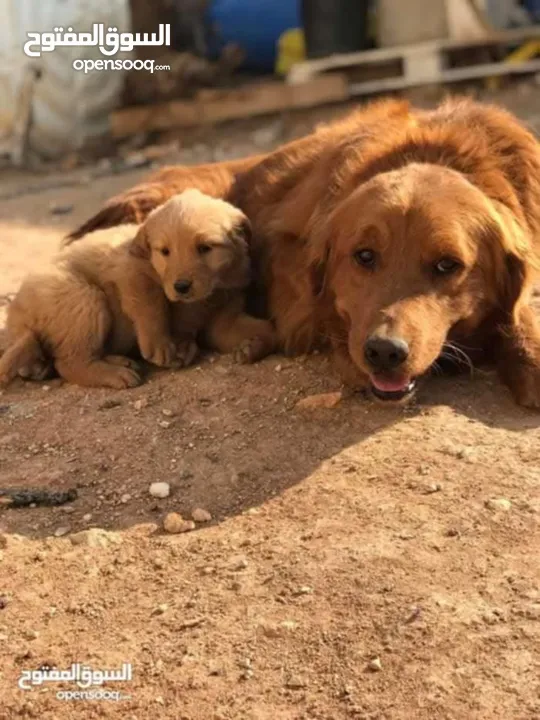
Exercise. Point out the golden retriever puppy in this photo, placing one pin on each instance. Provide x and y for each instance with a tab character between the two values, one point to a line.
117	291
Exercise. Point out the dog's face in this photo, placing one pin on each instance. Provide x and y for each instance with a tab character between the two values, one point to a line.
411	257
196	245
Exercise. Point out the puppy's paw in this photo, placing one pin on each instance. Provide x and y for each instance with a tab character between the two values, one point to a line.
120	378
123	361
38	371
186	352
163	353
526	387
251	350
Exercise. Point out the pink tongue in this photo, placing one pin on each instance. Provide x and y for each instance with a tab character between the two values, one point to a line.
390	385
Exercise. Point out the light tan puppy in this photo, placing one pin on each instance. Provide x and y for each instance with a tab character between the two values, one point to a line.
155	287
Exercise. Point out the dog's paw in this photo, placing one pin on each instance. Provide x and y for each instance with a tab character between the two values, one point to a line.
121	378
38	371
186	352
250	350
526	387
162	353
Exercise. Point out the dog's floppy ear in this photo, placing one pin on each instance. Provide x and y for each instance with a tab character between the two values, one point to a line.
241	234
516	264
140	247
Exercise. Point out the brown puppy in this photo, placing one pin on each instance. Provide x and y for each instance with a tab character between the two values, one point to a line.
395	232
112	293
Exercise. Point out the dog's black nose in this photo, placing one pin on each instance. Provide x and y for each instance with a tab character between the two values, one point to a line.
183	286
384	353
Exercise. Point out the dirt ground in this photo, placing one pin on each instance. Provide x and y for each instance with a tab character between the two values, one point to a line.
361	562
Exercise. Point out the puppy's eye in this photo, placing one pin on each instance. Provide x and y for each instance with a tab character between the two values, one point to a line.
165	251
203	248
447	266
365	257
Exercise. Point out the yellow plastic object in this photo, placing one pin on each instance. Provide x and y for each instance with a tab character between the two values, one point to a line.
291	50
523	53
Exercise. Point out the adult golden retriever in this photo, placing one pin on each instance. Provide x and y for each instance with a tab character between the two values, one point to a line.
154	287
395	235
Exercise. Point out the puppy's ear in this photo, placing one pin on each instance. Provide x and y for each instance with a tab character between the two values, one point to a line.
140	246
241	235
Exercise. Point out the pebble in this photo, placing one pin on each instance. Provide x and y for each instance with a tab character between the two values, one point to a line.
140	404
31	634
375	665
167	413
3	541
161	609
96	537
498	504
173	523
61	531
323	400
200	515
160	490
125	498
87	517
59	209
296	683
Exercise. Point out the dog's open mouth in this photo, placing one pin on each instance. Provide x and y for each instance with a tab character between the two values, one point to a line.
392	390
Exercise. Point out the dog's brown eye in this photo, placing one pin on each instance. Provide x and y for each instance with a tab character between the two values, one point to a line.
446	266
165	251
365	257
203	248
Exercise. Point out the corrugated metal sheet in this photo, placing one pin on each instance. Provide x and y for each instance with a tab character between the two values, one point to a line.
68	107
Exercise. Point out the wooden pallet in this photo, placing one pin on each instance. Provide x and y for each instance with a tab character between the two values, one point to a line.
422	64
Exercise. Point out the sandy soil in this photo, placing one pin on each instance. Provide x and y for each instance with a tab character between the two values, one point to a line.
361	562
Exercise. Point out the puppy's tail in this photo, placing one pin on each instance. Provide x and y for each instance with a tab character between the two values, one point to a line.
20	354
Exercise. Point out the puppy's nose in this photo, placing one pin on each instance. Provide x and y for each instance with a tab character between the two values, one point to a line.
384	353
183	286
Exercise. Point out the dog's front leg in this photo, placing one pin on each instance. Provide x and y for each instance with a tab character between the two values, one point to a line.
144	302
518	357
232	330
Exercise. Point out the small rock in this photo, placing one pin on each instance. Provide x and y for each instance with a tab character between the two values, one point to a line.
3	541
161	609
140	404
239	564
60	209
305	590
3	602
61	531
109	404
296	683
323	400
375	665
498	504
165	424
87	517
432	488
96	537
173	523
160	490
278	368
125	498
201	516
187	526
167	413
31	634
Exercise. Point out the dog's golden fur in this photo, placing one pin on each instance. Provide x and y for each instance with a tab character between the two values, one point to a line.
117	291
416	188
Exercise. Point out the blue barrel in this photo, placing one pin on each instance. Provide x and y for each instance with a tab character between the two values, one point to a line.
256	25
